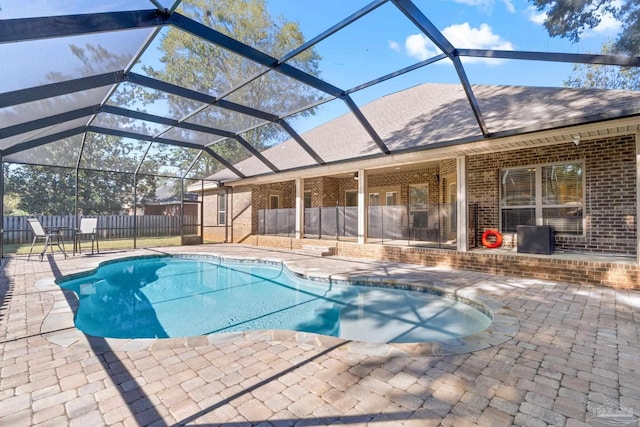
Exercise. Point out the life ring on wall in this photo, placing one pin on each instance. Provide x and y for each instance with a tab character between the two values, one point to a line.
487	244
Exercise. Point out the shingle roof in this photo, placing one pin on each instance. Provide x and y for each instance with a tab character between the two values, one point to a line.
434	113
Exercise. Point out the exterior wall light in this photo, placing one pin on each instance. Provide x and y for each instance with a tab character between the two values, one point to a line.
576	140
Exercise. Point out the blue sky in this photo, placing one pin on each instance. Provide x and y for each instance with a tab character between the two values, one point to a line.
386	40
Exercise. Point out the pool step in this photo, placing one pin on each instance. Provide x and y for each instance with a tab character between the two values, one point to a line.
318	250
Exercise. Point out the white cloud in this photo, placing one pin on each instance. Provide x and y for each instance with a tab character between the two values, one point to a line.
536	16
420	47
509	5
461	36
393	45
487	5
476	3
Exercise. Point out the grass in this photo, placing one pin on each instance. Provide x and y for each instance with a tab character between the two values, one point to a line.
105	245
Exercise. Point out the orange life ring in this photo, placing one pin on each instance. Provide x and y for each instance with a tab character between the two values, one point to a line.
494	233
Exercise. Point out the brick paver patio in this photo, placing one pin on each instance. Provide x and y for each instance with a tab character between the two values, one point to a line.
575	360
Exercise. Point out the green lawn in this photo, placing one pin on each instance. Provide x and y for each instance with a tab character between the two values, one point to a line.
105	245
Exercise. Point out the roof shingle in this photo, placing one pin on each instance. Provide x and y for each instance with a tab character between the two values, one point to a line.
436	113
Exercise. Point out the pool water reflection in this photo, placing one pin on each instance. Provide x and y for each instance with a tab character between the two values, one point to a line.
168	297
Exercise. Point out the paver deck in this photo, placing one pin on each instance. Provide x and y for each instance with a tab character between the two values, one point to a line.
573	360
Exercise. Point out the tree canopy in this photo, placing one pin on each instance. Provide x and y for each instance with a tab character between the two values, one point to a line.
107	162
50	190
570	19
595	76
208	68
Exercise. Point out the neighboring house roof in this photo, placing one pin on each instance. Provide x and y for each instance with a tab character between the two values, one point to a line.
429	114
166	195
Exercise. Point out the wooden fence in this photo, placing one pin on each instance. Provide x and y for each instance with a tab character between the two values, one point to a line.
16	229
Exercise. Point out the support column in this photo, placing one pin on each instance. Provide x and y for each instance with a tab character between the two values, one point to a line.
135	209
299	208
2	206
638	198
462	214
362	207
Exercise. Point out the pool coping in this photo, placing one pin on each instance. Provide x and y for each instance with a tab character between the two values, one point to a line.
58	325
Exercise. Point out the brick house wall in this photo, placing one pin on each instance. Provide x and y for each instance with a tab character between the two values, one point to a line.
330	193
245	222
170	209
324	191
286	190
405	178
344	185
259	196
610	190
314	186
212	231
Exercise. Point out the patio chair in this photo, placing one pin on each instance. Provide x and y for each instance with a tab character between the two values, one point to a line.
88	227
40	233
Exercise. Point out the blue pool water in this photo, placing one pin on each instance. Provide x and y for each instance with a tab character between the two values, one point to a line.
177	297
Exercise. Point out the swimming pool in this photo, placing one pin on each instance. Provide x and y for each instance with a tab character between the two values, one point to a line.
173	296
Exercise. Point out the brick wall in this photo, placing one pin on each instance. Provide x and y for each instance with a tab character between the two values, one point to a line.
406	177
314	186
210	208
286	190
610	190
212	231
245	223
330	192
344	185
214	235
324	191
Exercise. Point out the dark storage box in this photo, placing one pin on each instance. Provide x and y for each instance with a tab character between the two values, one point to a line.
535	239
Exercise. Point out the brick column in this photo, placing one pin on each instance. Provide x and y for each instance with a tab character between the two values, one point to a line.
638	198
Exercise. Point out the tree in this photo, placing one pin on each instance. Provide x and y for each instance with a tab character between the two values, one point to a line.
187	61
570	18
596	76
208	68
11	201
54	198
50	190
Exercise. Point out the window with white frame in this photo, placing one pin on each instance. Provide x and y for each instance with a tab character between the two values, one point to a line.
351	198
543	195
384	196
307	199
222	209
274	201
418	201
418	195
391	198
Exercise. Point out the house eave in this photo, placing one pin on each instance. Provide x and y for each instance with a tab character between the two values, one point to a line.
498	142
